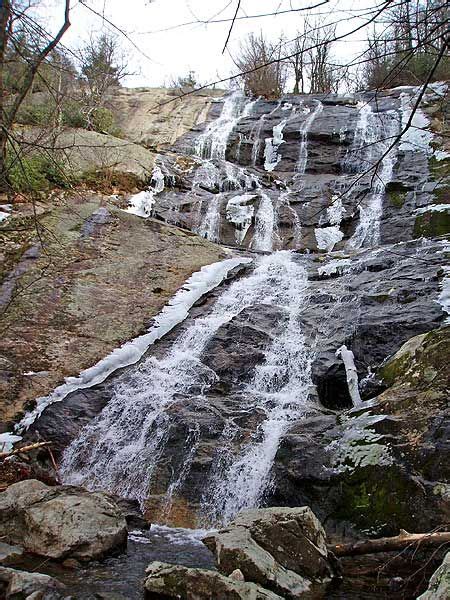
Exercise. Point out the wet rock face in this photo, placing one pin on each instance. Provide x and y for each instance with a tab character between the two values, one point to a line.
61	522
381	466
317	161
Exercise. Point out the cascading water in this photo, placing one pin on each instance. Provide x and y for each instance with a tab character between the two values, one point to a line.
373	137
265	224
213	142
280	388
256	137
210	225
304	129
119	450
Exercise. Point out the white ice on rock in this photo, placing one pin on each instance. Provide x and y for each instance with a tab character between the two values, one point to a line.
141	204
240	213
351	373
176	311
418	137
336	266
433	208
444	296
271	153
328	237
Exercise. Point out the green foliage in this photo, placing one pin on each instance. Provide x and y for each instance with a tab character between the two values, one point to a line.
73	115
103	120
35	114
36	172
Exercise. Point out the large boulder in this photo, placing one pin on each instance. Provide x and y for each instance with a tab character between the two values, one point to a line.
439	587
174	581
20	585
281	549
62	521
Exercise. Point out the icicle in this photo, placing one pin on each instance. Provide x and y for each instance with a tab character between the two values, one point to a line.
352	375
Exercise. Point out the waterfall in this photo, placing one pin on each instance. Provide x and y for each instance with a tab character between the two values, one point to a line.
255	135
209	227
304	129
119	449
373	136
280	387
265	224
213	142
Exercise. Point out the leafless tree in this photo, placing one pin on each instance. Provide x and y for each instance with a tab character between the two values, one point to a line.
15	19
267	81
103	66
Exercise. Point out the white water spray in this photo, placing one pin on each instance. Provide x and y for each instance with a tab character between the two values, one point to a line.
280	388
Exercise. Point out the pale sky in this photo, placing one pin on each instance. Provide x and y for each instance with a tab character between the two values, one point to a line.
166	50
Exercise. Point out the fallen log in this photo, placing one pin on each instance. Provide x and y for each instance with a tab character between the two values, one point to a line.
388	544
24	449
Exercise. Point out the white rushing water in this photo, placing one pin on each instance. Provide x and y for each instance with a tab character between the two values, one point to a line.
373	137
264	225
304	129
213	142
119	450
209	227
280	388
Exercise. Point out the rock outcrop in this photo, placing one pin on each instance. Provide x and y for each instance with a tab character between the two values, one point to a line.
100	279
439	586
281	549
164	581
61	522
15	584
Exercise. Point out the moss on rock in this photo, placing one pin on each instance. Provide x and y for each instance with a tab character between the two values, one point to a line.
432	224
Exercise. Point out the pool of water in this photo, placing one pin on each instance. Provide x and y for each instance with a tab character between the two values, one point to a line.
121	577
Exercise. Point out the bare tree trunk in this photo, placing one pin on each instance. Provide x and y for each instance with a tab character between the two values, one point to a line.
388	544
5	13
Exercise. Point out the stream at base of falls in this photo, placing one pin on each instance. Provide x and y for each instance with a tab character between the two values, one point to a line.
121	577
